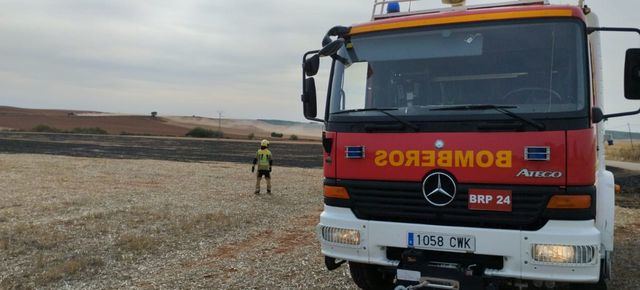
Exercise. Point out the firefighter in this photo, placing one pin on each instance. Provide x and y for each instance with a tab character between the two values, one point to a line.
264	161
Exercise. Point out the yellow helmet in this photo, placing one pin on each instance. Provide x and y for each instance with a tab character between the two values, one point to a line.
264	143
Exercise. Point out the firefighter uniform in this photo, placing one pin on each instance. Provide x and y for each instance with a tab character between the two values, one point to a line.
264	161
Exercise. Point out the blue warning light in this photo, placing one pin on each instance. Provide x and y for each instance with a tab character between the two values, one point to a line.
393	7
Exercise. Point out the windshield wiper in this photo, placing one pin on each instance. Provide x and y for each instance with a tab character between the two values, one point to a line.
384	111
364	110
501	109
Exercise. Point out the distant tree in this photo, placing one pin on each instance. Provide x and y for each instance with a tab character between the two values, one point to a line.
200	132
251	136
276	135
293	137
46	129
154	114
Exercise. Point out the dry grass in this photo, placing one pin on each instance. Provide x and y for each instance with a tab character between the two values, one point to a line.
136	243
54	271
206	223
622	151
627	254
98	223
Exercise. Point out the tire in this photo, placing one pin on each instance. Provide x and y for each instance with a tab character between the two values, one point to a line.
601	285
370	277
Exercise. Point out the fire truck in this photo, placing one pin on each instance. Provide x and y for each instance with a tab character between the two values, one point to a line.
463	146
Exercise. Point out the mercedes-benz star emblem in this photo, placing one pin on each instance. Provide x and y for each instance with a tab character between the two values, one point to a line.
439	188
439	144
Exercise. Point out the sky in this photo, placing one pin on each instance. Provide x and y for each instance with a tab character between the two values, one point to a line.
197	57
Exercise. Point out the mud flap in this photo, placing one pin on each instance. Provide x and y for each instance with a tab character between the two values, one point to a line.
416	268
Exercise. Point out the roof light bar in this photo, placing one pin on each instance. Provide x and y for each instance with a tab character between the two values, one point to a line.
454	2
394	8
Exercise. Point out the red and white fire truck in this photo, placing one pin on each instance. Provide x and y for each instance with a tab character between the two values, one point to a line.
463	146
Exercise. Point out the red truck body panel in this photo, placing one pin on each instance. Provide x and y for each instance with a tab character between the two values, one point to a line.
479	158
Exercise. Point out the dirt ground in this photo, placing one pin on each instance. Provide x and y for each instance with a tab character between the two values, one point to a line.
69	222
104	223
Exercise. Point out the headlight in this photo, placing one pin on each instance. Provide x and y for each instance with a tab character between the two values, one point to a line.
340	236
564	254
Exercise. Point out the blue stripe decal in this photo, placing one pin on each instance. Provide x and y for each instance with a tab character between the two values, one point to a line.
537	153
410	240
541	156
354	152
537	150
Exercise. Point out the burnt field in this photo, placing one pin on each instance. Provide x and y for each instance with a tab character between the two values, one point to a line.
305	155
629	182
289	154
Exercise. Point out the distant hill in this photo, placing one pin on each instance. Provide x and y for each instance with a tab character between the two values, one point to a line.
279	122
261	128
622	134
21	119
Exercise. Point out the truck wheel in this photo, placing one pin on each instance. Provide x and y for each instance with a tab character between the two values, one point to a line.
370	277
601	285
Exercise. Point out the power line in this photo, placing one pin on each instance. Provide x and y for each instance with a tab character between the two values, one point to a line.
220	122
630	139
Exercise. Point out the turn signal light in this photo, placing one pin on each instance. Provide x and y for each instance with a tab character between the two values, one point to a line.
569	202
336	192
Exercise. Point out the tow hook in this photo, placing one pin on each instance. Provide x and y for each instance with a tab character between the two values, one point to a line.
417	270
332	263
426	284
469	270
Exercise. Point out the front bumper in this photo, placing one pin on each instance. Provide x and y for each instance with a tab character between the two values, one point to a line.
513	245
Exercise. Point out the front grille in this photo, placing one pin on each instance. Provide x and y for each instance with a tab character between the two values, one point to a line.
405	202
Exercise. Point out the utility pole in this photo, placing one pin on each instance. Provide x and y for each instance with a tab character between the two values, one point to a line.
630	139
220	122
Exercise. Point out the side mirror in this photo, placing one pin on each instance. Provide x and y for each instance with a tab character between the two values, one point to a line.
632	74
631	78
331	48
596	115
309	104
311	65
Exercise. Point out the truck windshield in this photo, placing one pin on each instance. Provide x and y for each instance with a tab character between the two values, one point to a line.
534	67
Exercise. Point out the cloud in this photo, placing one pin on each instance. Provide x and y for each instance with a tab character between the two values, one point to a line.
186	57
177	57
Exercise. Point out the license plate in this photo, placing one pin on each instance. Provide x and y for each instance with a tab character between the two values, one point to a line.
490	199
440	241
